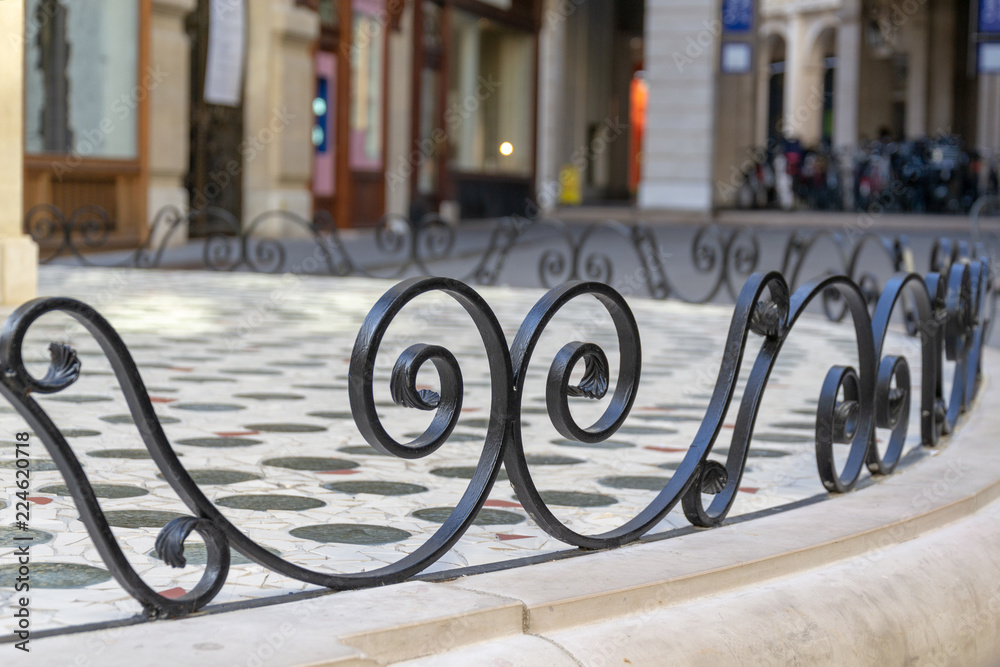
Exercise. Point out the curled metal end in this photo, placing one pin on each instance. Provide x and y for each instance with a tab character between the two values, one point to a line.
64	369
714	477
170	541
595	375
767	319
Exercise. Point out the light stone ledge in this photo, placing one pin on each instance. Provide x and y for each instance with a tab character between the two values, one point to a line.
904	570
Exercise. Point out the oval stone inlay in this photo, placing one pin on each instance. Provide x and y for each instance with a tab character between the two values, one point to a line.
200	379
786	438
219	442
312	463
250	371
350	533
464	472
55	575
576	499
454	437
331	414
127	419
34	465
486	517
635	482
9	533
551	460
196	554
756	453
141	518
79	433
268	501
375	488
79	398
646	430
208	407
285	428
271	397
100	490
219	476
606	444
362	450
120	454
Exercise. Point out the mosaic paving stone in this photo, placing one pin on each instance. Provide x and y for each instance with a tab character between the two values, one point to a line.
285	428
195	553
271	397
648	416
606	444
270	501
332	414
200	379
79	398
321	387
218	476
55	575
635	482
208	407
121	454
350	533
757	453
362	450
551	460
34	465
804	426
455	437
79	433
576	499
250	371
100	490
646	430
485	423
219	442
375	488
464	472
9	535
312	463
141	518
787	438
486	516
127	419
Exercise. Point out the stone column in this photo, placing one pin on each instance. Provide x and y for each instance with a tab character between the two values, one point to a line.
847	76
18	252
169	112
277	113
551	78
916	80
795	74
682	44
940	113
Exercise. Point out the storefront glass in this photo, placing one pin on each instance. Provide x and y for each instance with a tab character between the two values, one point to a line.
82	90
490	111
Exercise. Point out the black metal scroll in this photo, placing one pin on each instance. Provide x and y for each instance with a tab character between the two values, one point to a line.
948	311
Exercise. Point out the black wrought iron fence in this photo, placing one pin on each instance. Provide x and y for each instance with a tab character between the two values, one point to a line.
949	310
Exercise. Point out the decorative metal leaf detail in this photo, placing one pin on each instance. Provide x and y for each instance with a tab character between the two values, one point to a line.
713	477
766	319
429	397
170	541
64	369
595	378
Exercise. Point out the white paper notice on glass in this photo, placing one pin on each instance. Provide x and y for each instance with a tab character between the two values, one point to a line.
226	50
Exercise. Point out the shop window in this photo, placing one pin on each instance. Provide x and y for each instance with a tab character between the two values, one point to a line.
368	23
490	111
81	74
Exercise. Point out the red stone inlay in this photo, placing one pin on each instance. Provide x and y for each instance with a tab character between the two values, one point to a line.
672	450
503	537
500	503
173	593
40	500
161	399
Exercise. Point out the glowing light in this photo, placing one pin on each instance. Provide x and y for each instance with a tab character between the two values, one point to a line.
319	106
506	148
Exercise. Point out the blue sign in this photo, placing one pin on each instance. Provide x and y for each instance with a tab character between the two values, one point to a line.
737	15
989	16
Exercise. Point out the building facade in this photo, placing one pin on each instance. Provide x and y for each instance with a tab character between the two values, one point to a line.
359	109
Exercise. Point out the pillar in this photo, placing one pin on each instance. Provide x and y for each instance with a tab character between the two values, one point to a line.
18	252
682	45
916	80
551	117
277	113
169	111
847	76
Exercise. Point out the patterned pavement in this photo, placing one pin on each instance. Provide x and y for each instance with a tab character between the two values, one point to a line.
248	374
